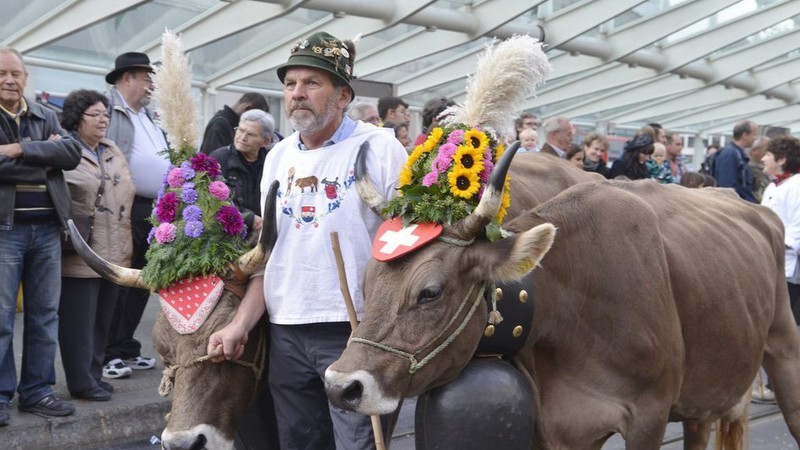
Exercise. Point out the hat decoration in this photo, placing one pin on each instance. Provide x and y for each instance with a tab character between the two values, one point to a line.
323	51
196	228
446	174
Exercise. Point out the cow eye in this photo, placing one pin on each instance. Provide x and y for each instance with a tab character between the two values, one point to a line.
429	294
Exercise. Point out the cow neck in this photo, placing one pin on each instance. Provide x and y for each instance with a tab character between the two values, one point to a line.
416	363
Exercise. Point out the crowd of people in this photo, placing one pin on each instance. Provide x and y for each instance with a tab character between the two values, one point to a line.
103	165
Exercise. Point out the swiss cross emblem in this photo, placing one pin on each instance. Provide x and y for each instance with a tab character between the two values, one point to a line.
393	240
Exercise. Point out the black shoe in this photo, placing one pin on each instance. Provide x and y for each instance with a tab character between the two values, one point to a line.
97	394
4	414
49	406
105	385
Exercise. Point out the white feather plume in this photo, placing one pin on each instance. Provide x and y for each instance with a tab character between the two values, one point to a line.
177	107
507	74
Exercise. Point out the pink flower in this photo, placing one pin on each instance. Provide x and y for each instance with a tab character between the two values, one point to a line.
456	137
202	162
165	233
429	179
166	207
445	157
175	177
219	190
230	219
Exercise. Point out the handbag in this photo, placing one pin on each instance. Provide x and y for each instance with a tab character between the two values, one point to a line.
84	224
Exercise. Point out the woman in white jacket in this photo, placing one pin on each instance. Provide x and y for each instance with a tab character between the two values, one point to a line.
782	164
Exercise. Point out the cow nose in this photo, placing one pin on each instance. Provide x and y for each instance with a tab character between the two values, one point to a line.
199	443
347	395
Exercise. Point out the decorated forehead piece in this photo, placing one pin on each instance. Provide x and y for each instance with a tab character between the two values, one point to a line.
446	176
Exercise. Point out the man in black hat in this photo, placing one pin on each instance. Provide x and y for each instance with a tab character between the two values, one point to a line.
309	321
140	139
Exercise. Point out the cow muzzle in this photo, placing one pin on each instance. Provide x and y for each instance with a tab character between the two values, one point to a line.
198	438
358	391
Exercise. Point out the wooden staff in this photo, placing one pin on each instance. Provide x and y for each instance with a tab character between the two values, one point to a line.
351	313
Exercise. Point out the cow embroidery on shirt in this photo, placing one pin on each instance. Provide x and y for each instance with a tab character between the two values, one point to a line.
313	205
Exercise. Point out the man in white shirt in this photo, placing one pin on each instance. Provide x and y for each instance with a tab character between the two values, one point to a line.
309	326
141	141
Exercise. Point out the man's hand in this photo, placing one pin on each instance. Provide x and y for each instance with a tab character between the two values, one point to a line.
55	137
12	151
257	221
227	343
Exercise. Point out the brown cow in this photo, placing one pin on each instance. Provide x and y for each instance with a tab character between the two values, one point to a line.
208	399
647	310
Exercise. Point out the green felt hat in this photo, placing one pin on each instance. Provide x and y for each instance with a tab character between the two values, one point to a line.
323	51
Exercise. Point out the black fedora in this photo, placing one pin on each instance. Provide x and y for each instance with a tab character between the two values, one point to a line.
128	61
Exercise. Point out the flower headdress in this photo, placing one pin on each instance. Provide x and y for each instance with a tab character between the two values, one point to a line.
445	176
196	229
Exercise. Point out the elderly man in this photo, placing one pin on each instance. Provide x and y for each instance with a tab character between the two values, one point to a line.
34	205
141	141
559	133
309	327
242	162
364	112
731	164
220	129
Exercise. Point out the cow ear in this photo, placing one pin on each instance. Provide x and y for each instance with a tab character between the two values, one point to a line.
527	250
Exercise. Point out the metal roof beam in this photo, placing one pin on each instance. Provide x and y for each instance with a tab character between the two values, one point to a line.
65	19
750	105
767	117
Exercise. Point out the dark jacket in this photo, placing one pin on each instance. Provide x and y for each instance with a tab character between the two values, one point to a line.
245	189
219	131
38	155
731	169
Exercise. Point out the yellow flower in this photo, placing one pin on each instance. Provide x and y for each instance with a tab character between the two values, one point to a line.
476	139
505	202
469	158
464	183
433	138
499	152
405	176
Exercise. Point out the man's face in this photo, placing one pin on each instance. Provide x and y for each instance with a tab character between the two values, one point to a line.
398	115
564	136
12	81
748	139
661	136
248	139
530	122
594	152
370	115
311	100
674	146
137	88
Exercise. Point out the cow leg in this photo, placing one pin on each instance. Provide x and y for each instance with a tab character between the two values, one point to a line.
695	435
782	363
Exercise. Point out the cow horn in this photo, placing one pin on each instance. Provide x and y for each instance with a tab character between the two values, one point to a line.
255	258
492	198
364	185
122	276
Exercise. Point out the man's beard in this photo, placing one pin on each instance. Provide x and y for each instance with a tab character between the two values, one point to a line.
309	121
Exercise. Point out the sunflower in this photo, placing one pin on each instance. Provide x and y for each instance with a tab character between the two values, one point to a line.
433	139
468	158
499	152
464	183
505	202
476	139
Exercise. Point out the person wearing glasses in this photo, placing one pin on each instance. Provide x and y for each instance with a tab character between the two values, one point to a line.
102	194
142	142
242	162
34	152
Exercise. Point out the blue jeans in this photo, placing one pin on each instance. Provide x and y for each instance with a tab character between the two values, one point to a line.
31	254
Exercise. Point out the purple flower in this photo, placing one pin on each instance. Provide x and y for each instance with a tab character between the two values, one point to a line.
165	233
488	167
187	171
219	190
175	178
192	213
445	157
151	235
204	163
456	137
230	219
430	178
166	206
188	195
193	228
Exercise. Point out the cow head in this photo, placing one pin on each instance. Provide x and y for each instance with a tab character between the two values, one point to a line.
208	399
424	313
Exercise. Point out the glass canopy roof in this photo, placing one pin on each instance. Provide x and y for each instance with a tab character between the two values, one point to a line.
688	64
